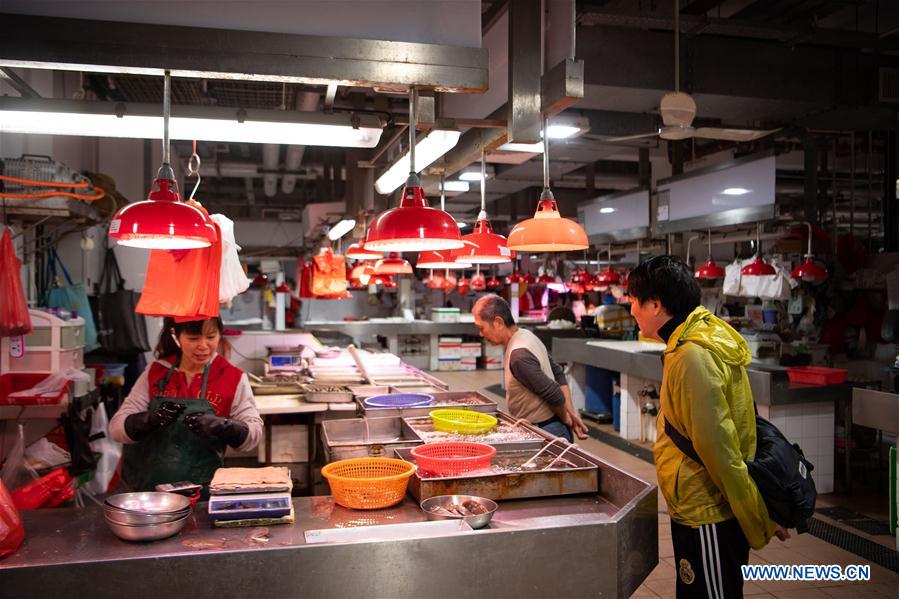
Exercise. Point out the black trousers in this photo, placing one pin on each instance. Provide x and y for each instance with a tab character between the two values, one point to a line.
708	560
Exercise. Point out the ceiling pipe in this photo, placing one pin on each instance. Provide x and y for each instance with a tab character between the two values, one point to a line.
308	102
270	155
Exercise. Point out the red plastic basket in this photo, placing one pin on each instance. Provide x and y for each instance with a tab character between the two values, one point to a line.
453	458
816	375
20	381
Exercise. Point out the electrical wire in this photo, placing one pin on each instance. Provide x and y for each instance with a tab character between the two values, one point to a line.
30	182
52	194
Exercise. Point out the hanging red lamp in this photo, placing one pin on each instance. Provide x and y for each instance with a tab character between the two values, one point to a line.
479	282
439	259
758	267
607	277
393	264
547	231
709	270
493	284
361	273
482	245
463	285
358	251
163	221
808	271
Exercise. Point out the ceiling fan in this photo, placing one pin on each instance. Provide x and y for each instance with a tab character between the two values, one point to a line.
678	110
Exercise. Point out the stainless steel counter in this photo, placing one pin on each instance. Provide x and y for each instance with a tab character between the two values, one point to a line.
770	385
532	548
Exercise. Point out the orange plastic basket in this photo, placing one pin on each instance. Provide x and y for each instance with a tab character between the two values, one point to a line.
368	483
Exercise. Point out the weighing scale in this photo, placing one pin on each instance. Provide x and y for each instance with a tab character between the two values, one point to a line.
283	359
250	505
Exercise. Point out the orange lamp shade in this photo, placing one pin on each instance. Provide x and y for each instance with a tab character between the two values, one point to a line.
413	226
162	221
547	231
439	259
483	246
393	264
358	251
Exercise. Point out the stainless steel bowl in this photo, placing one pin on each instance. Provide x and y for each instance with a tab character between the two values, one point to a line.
443	501
150	502
146	532
131	518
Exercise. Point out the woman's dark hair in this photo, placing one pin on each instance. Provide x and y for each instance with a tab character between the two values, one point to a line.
490	306
562	313
166	346
668	280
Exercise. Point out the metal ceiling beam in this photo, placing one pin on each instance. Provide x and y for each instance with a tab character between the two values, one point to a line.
147	49
17	83
596	16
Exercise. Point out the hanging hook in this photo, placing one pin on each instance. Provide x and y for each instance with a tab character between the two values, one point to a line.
194	170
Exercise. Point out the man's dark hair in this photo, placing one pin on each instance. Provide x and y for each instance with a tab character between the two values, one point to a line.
668	280
491	306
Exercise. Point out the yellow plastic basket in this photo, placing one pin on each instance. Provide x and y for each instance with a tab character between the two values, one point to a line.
466	422
368	483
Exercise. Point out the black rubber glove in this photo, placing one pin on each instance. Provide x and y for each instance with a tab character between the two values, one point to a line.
232	432
138	426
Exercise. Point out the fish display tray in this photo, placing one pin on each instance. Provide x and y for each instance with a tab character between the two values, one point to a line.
505	433
327	393
470	400
574	473
365	438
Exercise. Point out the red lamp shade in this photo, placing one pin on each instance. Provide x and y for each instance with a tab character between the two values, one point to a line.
479	282
163	221
547	231
439	259
758	268
809	272
483	246
545	279
527	278
260	280
361	273
358	251
494	284
515	277
709	270
393	264
463	286
590	283
413	226
607	277
377	279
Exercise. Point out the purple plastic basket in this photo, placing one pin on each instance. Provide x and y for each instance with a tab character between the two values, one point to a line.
399	400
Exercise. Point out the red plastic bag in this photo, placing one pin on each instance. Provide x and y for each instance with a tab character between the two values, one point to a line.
12	533
329	275
14	318
183	283
306	281
48	491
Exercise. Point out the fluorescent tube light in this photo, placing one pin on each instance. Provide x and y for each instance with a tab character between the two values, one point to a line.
606	210
341	229
736	191
428	149
455	186
206	123
536	148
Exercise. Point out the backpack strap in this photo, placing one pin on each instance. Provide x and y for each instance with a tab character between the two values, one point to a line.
682	443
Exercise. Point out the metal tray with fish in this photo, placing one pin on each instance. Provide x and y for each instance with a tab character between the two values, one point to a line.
468	400
508	476
365	438
508	432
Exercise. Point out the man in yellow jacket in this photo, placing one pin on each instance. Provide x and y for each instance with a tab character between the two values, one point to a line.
716	510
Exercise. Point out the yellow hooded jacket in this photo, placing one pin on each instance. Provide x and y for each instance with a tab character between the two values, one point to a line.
706	396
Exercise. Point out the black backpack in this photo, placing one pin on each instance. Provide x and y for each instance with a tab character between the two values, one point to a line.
780	471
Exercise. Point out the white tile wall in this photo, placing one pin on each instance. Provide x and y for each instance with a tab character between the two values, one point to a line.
811	425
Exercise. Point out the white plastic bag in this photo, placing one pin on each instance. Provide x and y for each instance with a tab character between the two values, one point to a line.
43	454
110	453
53	384
16	472
233	279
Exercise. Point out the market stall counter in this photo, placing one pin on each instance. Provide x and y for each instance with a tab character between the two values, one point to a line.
601	544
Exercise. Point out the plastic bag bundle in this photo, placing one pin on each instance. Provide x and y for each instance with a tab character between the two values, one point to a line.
329	275
12	533
234	280
183	283
14	318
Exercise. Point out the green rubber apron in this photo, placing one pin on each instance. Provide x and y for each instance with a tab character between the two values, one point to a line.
173	453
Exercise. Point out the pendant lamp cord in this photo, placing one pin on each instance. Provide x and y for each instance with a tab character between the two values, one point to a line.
676	46
166	114
412	125
483	181
442	194
710	243
545	155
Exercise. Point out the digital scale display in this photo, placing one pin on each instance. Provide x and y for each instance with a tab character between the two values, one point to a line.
283	361
257	505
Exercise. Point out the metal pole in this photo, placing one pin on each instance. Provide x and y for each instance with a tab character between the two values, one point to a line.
676	45
483	181
870	192
166	113
442	194
852	182
545	154
412	124
833	185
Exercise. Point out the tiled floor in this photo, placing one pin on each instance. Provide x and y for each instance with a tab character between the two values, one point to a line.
804	549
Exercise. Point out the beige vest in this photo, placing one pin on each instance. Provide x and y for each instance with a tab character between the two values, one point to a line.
523	403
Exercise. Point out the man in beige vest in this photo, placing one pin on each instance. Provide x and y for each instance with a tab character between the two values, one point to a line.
536	387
